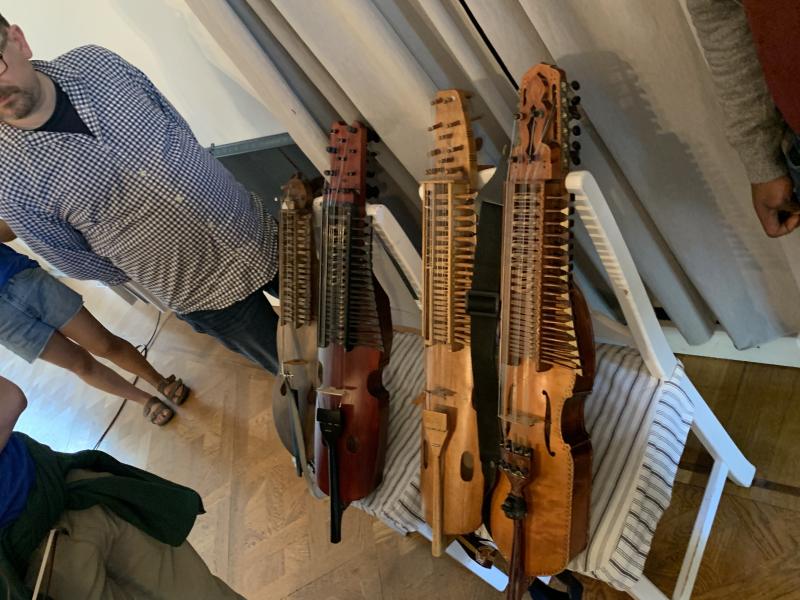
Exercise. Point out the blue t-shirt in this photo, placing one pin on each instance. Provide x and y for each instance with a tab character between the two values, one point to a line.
17	474
12	262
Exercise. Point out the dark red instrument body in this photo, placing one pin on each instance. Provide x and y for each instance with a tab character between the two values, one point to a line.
354	335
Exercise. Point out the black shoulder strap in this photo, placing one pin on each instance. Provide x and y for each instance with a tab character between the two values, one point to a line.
483	305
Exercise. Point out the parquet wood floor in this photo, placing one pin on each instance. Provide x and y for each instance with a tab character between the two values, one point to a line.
264	535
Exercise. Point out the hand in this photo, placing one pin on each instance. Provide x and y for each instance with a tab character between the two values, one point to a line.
776	206
6	235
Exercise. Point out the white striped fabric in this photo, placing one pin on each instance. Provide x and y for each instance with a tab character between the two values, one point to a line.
397	501
638	426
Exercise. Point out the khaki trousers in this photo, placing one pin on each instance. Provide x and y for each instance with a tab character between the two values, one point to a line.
102	557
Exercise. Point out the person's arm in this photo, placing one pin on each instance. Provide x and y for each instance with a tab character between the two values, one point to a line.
6	234
66	249
12	403
753	125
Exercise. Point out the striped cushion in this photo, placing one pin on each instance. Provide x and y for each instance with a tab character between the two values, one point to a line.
638	426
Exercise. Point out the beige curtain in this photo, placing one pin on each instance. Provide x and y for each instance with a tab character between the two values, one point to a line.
653	137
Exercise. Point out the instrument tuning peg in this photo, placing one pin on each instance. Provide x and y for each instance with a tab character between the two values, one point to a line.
351	129
575	158
372	191
576	130
372	137
575	85
370	173
574	113
478	144
330	150
576	145
575	100
372	154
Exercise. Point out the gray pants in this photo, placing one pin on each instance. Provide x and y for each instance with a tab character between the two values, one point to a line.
102	557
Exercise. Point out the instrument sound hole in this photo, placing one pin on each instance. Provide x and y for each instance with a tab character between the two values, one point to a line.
352	444
467	466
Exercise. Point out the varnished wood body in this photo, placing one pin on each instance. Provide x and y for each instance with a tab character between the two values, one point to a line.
540	507
556	525
354	335
365	411
451	479
450	374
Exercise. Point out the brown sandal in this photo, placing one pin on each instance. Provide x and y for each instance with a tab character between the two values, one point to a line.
179	392
157	412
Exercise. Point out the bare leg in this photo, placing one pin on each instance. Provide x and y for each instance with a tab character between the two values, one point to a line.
67	355
89	333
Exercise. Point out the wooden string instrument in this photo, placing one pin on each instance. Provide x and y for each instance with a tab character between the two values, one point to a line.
354	334
540	507
451	478
293	397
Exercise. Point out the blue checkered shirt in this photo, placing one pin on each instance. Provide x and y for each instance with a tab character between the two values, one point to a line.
141	200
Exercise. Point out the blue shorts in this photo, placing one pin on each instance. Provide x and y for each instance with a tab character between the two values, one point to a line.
33	305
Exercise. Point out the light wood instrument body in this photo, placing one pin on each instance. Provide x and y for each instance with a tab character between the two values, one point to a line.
451	476
539	510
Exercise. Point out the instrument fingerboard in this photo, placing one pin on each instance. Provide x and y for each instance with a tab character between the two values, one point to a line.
537	321
296	242
449	223
347	309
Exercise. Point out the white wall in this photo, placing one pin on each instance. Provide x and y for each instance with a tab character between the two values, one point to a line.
165	40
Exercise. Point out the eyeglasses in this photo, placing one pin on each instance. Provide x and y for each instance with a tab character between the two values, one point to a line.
3	63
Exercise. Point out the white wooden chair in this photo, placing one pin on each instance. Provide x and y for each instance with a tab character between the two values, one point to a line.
645	334
642	333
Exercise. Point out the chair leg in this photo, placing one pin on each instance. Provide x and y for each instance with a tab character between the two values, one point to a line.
646	590
701	532
717	441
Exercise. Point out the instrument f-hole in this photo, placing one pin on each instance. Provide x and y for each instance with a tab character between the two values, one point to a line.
547	422
467	466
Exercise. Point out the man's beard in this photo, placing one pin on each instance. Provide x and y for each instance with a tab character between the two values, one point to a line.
20	106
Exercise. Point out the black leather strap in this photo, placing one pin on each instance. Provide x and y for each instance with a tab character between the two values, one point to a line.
483	305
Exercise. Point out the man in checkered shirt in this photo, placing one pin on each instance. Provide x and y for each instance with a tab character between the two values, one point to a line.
102	177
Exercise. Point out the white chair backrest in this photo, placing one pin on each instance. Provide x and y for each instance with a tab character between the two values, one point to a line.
593	210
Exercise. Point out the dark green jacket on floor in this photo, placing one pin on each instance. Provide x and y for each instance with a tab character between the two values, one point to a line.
162	509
